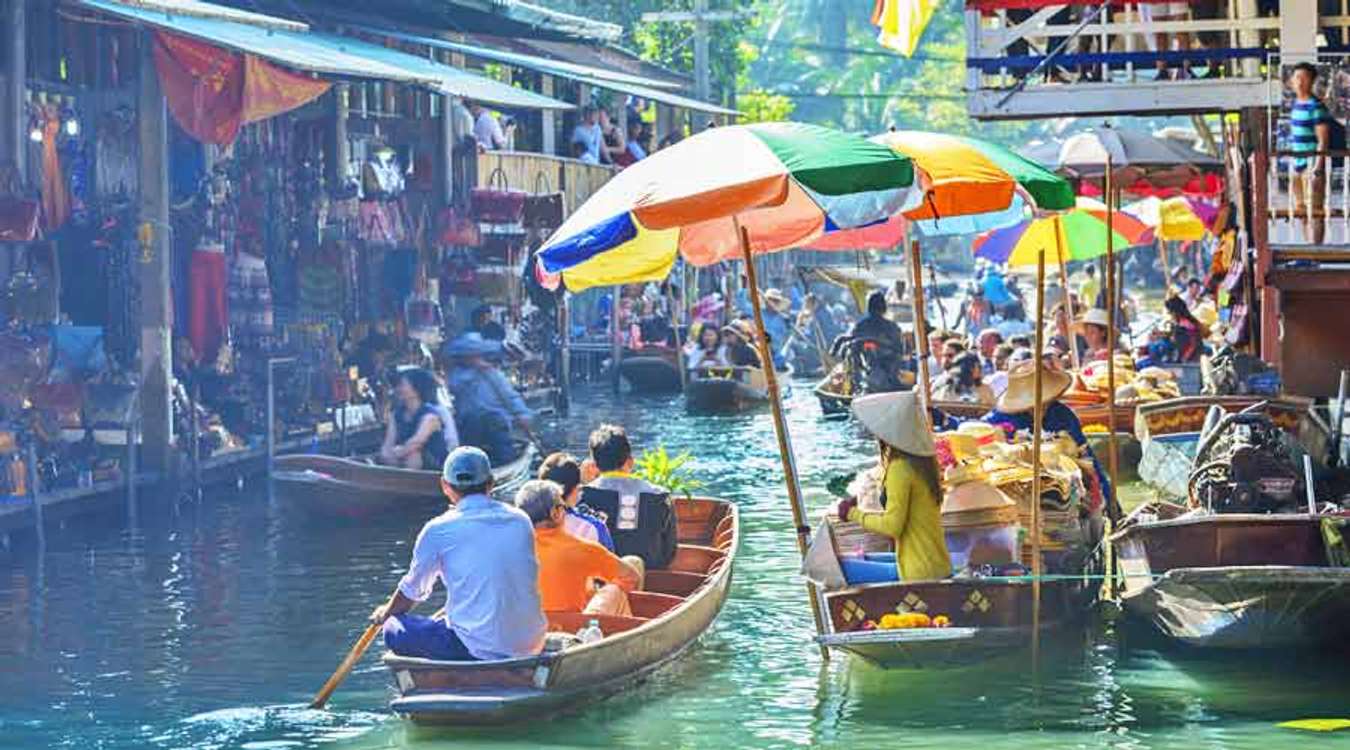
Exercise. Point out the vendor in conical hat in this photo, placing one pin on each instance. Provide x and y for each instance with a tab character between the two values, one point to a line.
1018	402
912	491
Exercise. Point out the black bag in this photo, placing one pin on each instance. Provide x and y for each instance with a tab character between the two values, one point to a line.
644	525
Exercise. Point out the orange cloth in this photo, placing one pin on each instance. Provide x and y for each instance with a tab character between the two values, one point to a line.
55	199
213	91
568	565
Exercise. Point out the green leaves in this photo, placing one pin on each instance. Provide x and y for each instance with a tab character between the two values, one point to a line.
660	468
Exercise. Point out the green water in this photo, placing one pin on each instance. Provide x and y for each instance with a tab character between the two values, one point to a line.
209	625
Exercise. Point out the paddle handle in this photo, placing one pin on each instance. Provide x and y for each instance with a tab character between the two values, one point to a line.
345	668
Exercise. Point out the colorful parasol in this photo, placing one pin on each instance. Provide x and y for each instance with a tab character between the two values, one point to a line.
1079	234
1180	218
786	184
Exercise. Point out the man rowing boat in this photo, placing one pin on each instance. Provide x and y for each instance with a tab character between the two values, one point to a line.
483	552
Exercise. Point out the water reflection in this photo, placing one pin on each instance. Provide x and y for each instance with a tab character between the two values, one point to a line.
209	624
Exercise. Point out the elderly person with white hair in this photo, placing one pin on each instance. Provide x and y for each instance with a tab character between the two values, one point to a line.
575	575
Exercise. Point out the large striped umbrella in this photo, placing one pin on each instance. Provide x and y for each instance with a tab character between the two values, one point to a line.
785	184
1079	234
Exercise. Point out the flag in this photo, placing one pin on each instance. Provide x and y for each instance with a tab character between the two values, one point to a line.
902	23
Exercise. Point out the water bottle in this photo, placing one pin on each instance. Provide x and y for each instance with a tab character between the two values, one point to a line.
591	633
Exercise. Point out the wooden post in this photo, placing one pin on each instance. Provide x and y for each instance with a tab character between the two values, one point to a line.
154	234
565	354
339	159
920	335
1037	415
780	427
1112	456
14	131
548	134
615	335
446	164
676	306
1062	251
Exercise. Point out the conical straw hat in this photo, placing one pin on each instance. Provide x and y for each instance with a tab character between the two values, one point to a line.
896	419
1021	393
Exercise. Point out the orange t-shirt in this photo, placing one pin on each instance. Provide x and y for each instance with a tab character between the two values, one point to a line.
567	565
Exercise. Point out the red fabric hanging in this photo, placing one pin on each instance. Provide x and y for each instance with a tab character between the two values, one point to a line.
55	197
212	91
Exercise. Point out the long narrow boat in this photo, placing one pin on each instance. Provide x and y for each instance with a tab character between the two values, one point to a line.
651	369
678	605
832	403
1235	580
356	487
725	390
990	618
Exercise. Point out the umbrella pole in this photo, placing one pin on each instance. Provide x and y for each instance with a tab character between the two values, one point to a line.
1113	309
1071	338
780	428
920	334
1037	416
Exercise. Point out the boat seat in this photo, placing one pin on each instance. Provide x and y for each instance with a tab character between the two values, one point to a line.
651	604
571	622
673	582
695	558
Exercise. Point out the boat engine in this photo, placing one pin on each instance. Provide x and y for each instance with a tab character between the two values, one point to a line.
1244	466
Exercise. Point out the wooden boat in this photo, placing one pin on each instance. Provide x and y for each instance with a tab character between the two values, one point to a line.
1169	432
651	369
833	404
990	619
1233	580
677	606
356	487
725	390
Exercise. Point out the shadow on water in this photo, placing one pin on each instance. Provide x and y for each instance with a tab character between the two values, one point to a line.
209	624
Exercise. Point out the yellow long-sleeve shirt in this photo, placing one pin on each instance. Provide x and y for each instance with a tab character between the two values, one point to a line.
913	518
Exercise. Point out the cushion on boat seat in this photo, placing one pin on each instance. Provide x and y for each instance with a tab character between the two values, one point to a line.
644	525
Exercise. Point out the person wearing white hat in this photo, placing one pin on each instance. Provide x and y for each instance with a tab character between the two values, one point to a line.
1018	402
912	490
1094	326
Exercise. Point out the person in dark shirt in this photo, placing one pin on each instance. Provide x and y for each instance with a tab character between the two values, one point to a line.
876	326
483	323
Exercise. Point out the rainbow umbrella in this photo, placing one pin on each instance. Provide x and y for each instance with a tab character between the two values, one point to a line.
785	184
1079	234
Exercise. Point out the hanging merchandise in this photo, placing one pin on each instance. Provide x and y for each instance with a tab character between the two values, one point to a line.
543	211
460	271
208	316
497	203
212	91
381	223
250	300
55	197
382	175
457	230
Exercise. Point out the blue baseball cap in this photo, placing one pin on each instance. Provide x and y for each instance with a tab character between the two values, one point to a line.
466	466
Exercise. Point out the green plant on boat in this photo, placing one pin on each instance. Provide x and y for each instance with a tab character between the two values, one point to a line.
664	470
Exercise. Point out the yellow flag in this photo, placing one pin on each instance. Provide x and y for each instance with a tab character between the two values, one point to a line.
902	23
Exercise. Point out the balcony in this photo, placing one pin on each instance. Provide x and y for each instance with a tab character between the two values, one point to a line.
1088	58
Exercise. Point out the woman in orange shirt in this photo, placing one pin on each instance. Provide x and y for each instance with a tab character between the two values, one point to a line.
575	575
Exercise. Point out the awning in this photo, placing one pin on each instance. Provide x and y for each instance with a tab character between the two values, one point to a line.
611	80
323	53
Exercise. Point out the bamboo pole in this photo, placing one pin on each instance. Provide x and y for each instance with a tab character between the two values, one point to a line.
1071	338
1112	457
780	427
1037	415
920	335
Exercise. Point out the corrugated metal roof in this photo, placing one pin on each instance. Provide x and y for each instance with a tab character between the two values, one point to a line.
325	53
570	71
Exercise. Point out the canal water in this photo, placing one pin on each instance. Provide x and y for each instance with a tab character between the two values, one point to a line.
209	624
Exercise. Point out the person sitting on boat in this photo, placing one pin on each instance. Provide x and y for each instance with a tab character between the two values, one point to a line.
1017	403
963	381
775	312
912	492
421	431
483	552
740	352
486	404
581	521
1094	326
639	514
1188	334
877	327
575	575
986	344
707	350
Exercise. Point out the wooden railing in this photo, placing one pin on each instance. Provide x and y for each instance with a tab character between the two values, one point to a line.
1082	57
544	173
1289	223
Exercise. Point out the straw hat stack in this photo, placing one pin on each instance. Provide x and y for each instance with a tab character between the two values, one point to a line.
971	501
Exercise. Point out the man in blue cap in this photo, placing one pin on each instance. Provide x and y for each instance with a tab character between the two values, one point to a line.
486	404
483	552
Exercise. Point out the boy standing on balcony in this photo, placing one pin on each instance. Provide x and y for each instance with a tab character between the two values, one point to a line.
1310	133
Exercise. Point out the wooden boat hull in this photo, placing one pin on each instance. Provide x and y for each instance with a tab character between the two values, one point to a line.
356	488
683	602
651	373
990	619
831	403
722	396
1234	580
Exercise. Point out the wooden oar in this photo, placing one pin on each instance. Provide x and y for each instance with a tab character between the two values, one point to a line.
345	668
